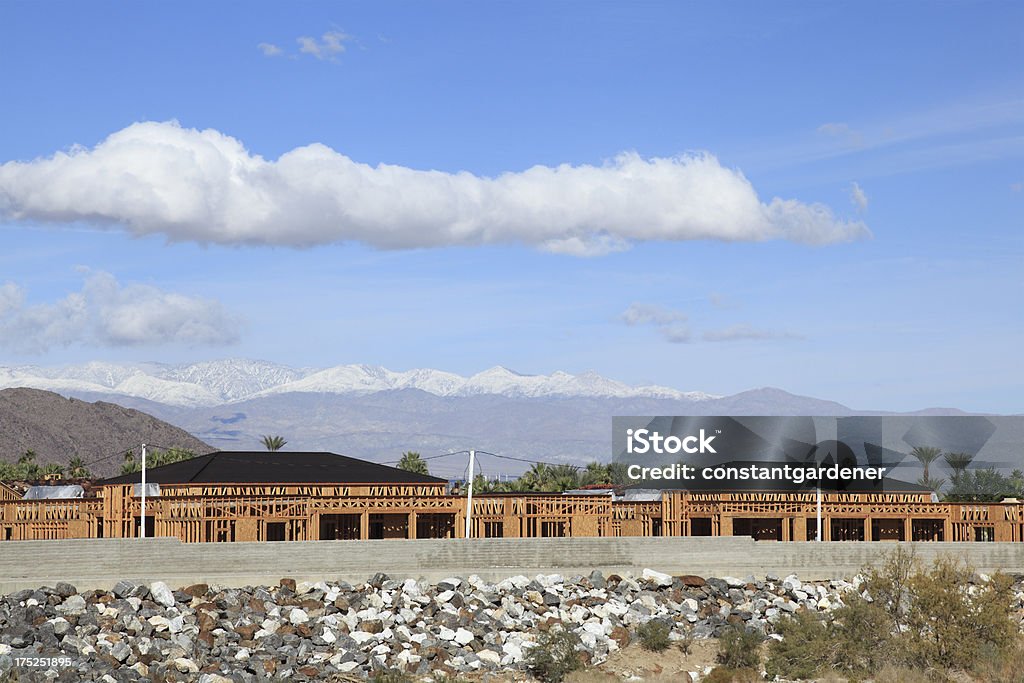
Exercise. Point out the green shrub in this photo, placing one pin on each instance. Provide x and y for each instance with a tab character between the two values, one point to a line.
554	656
739	648
654	635
860	637
804	649
932	621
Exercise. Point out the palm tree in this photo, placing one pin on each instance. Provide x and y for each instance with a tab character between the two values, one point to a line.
77	469
273	443
958	462
933	484
927	455
27	468
596	473
412	462
563	478
535	478
52	471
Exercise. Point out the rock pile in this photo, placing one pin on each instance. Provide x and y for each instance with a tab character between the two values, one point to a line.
334	630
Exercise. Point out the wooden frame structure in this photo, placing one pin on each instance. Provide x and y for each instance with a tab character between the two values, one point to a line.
199	513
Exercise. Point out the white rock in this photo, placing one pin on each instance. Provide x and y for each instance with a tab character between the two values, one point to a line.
733	582
298	616
446	634
242	655
162	594
656	578
464	637
328	636
489	656
159	623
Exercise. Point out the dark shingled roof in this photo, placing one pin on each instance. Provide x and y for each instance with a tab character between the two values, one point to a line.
275	467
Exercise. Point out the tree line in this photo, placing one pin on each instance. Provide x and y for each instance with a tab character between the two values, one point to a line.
541	477
967	485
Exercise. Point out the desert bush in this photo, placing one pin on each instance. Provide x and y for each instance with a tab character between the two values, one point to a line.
861	637
685	643
390	676
950	623
1006	666
901	674
654	635
739	648
933	621
554	656
805	648
723	674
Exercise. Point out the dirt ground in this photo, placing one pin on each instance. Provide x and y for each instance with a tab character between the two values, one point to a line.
633	663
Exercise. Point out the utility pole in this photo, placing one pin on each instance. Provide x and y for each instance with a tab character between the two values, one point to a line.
819	512
142	522
469	497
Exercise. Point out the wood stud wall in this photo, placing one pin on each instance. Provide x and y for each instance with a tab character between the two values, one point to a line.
226	513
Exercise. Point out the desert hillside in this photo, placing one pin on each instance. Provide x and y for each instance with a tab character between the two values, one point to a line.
59	428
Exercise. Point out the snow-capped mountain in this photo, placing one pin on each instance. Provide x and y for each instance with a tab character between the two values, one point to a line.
222	382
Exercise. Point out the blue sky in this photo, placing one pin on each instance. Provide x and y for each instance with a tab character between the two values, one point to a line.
903	122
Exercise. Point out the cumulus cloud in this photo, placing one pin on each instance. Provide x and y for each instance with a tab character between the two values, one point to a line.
744	333
204	186
858	197
107	313
270	50
328	46
670	323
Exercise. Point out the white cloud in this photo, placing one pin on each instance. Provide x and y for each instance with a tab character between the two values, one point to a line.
744	333
270	50
858	197
106	313
844	132
670	323
329	46
651	314
204	186
719	300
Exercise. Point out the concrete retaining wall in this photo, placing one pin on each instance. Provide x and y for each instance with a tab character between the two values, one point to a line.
100	563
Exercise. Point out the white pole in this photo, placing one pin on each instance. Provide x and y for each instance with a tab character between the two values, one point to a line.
142	525
469	498
819	513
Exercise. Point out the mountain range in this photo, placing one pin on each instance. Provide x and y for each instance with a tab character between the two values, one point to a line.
225	381
374	413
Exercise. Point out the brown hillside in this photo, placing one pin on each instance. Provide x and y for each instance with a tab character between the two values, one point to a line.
59	428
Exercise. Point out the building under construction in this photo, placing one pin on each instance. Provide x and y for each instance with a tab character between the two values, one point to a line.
288	496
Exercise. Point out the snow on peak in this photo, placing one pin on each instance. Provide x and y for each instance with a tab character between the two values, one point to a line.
226	381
